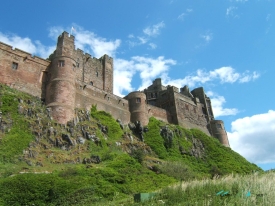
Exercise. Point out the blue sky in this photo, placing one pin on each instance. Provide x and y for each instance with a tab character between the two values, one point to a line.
226	46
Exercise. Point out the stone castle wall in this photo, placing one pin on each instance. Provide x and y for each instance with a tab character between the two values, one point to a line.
93	71
22	71
73	79
87	96
159	113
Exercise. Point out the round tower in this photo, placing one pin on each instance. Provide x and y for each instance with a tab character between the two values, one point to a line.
218	131
138	107
60	92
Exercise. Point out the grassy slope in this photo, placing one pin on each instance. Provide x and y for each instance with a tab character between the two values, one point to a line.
117	176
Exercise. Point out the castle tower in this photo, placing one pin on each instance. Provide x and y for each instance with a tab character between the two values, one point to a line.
138	107
107	63
60	92
218	131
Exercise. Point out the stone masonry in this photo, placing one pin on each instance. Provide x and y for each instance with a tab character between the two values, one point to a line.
71	79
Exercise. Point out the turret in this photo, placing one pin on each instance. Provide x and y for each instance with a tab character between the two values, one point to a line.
218	131
107	63
138	107
60	92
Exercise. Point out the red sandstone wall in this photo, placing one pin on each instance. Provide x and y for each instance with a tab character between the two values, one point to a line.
190	115
30	75
218	131
158	113
93	71
87	95
138	107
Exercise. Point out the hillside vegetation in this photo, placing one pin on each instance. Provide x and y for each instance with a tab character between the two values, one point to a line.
94	159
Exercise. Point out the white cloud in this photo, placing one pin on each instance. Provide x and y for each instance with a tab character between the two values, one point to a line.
154	30
148	33
182	15
253	137
230	11
123	73
142	40
55	31
223	74
89	41
26	44
130	36
150	68
217	103
152	45
207	37
147	68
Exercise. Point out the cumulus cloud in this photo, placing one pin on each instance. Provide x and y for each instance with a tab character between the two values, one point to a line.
90	42
253	137
154	30
147	68
26	44
223	74
217	103
123	73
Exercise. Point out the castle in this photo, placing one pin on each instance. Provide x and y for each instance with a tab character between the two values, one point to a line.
71	79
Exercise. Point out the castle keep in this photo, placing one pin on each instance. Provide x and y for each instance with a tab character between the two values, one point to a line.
72	79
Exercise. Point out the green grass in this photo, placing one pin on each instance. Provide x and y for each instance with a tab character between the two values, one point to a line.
118	176
254	189
19	136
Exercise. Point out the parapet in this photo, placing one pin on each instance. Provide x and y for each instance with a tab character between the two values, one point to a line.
66	35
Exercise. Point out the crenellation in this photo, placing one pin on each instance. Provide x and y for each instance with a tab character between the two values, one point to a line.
72	79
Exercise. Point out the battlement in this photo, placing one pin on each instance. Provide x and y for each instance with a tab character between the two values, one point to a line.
66	35
74	79
21	55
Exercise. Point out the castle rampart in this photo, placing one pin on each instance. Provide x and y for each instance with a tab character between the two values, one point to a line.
87	96
22	71
159	113
73	79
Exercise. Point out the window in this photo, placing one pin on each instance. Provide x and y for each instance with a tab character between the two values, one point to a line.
96	74
138	100
219	126
61	63
91	83
14	65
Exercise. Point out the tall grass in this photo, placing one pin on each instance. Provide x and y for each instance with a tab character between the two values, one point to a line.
254	189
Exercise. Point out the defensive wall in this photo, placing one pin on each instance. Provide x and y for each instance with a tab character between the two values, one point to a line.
73	79
20	70
87	96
